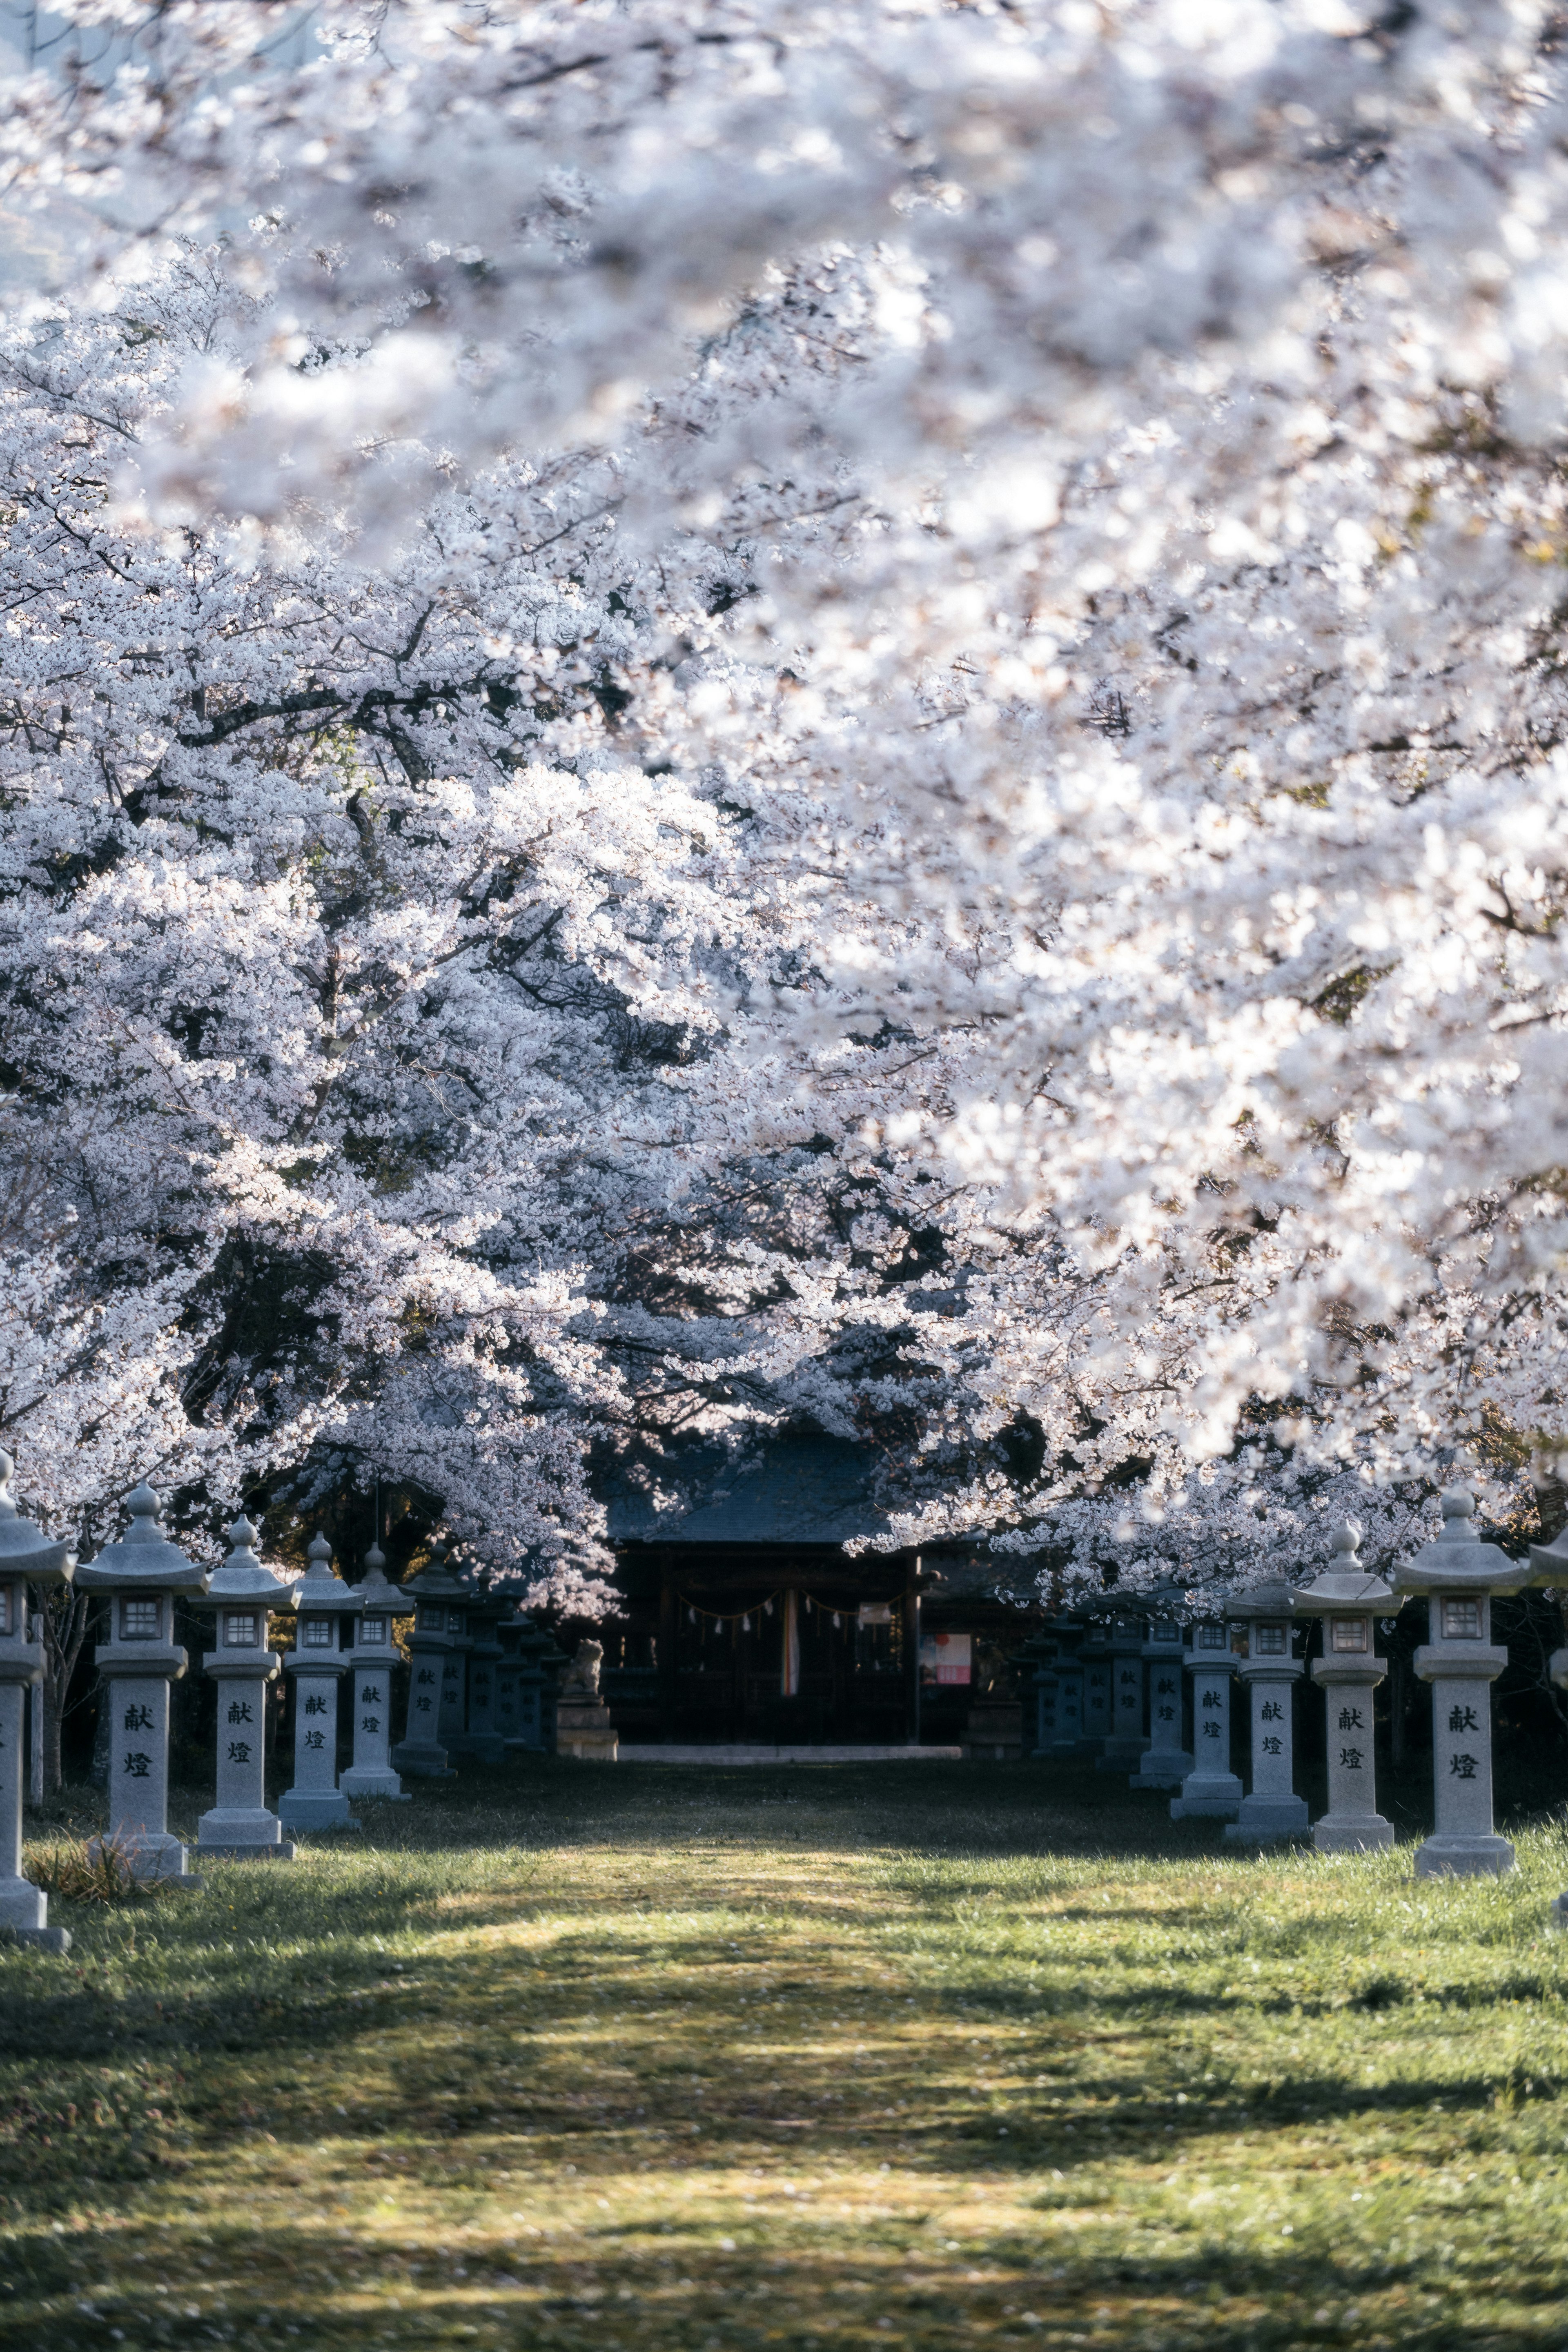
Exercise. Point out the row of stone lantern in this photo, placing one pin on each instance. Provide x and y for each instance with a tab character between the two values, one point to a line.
482	1679
1115	1689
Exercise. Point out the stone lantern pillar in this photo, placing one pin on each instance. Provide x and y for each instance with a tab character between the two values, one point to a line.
318	1662
530	1687
1069	1636
1096	1656
1047	1696
1348	1599
1124	1748
239	1828
141	1575
452	1723
1211	1790
1165	1763
1459	1574
371	1662
481	1739
419	1753
28	1561
1261	1618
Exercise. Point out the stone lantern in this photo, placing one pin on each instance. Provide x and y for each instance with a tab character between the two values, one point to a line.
1211	1790
239	1827
1166	1763
141	1575
1124	1747
371	1661
318	1662
1348	1599
1459	1574
1260	1644
529	1687
419	1752
28	1560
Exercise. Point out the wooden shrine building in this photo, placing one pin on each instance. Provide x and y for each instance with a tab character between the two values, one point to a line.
747	1622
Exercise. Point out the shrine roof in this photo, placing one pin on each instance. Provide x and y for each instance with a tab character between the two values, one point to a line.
789	1490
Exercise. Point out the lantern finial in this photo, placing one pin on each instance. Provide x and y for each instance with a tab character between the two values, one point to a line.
375	1560
8	1471
319	1549
1347	1538
1458	1504
144	1505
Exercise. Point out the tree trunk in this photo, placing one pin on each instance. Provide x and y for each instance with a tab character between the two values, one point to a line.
62	1625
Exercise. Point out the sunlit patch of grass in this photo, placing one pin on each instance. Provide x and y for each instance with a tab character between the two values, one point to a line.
685	2061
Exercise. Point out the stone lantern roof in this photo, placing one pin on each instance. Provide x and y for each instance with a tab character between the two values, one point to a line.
1550	1562
1345	1584
1275	1600
1458	1561
435	1581
25	1548
373	1593
321	1587
243	1578
143	1557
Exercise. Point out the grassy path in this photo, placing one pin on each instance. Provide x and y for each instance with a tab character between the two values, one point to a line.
683	2061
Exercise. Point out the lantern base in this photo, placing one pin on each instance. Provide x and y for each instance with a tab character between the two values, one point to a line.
1464	1857
420	1762
1353	1833
1263	1819
1208	1797
24	1913
315	1809
239	1830
1161	1767
477	1747
1122	1753
373	1780
152	1856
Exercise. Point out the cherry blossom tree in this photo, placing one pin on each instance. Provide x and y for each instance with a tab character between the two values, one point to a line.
725	714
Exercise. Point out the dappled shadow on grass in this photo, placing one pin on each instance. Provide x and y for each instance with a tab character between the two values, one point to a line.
657	2280
699	2086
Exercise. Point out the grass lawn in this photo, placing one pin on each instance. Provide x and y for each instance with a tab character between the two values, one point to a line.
681	2061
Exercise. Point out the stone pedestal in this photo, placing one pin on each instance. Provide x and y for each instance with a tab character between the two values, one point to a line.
1165	1763
583	1725
1124	1748
1459	1576
1349	1600
28	1561
1264	1664
317	1664
141	1575
370	1688
240	1827
1211	1790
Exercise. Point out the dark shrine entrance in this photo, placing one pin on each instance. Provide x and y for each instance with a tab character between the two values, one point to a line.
787	1649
